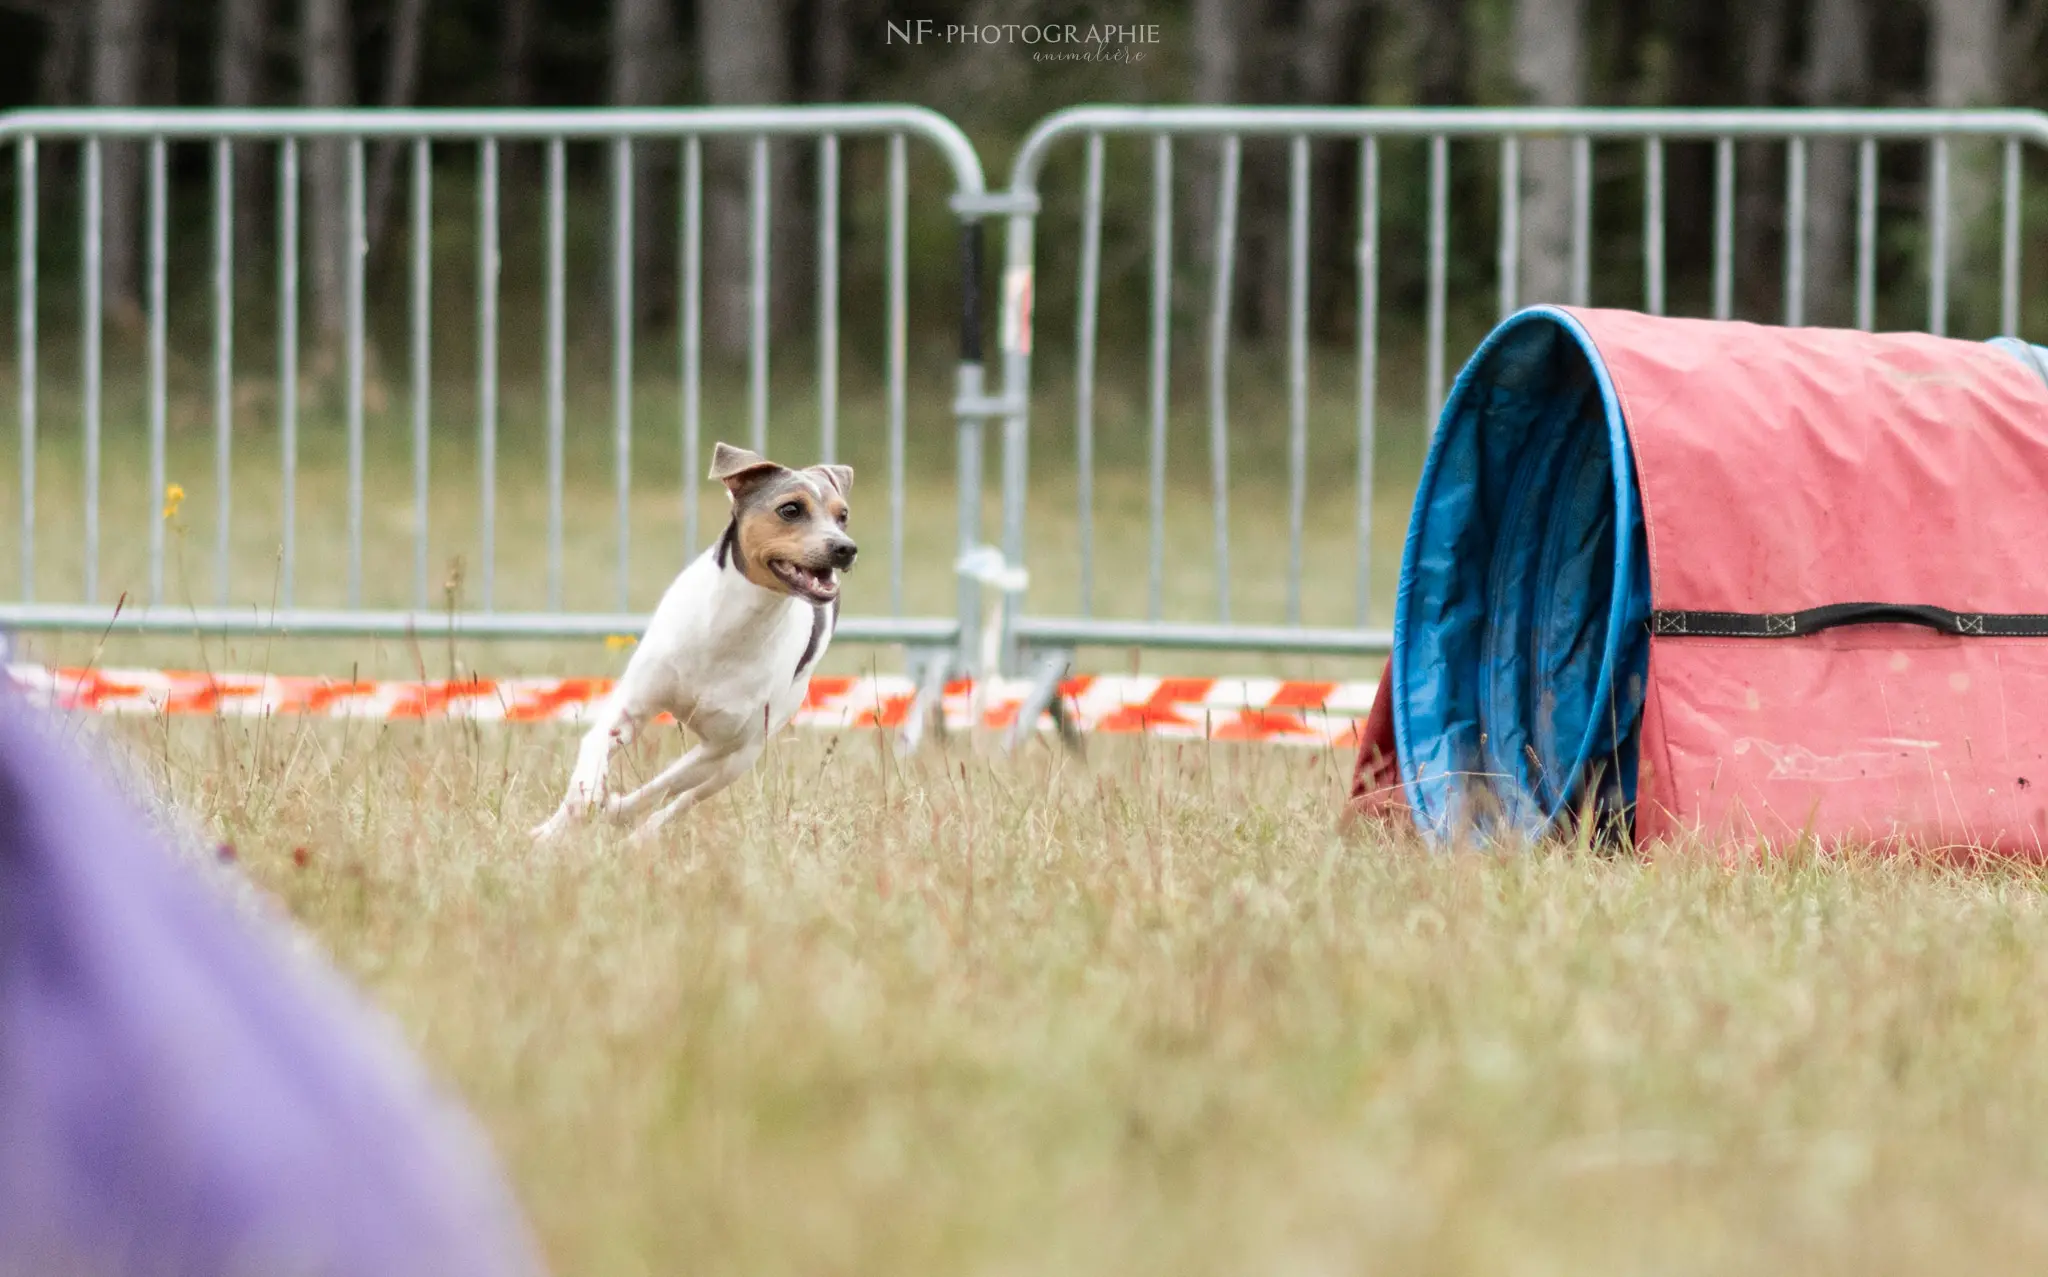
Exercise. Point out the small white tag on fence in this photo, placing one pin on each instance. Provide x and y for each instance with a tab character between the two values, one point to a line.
1017	310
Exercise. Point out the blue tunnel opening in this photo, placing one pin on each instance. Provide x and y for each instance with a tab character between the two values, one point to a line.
1521	635
1521	638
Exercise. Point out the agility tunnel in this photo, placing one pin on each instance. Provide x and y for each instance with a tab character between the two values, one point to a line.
1702	577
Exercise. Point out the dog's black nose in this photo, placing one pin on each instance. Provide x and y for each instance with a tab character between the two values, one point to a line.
843	554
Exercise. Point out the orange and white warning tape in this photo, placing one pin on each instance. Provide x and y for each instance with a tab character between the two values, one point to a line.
1224	709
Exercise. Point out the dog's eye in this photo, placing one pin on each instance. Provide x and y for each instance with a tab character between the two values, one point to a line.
791	511
842	518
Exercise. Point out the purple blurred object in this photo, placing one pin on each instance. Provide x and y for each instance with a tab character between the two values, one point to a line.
183	1096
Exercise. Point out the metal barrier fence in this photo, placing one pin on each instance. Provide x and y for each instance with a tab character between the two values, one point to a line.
1027	635
480	133
1046	641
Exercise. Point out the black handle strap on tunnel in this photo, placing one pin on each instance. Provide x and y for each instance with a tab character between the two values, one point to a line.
1815	619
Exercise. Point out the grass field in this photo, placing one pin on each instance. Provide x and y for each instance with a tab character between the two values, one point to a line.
1146	1011
1150	1013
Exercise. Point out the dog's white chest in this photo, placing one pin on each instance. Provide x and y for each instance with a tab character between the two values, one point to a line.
732	659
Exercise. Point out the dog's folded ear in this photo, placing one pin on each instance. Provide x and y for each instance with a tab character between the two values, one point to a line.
736	467
840	477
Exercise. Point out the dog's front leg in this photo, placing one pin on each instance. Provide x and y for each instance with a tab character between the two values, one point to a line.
614	725
722	771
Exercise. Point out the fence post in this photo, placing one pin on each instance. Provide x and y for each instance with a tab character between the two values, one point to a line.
969	407
1021	207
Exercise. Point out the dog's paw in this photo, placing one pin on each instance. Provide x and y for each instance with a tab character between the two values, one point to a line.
553	827
647	834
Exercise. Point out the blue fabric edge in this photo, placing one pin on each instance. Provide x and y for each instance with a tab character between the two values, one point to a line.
2034	357
1430	822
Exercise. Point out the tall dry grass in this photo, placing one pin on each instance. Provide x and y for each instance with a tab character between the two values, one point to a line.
1146	1012
1149	1012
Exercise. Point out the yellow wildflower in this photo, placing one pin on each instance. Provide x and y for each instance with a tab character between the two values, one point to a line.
174	496
619	642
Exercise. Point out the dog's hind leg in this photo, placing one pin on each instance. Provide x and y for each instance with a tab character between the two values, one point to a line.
691	769
724	770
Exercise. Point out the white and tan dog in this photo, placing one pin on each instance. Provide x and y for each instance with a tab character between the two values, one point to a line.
732	644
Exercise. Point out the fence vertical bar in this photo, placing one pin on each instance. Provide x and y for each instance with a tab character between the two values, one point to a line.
828	297
1508	254
91	360
1653	225
757	299
25	247
1297	366
1016	463
1222	285
557	356
159	179
487	365
898	354
1937	240
1866	234
1439	235
2009	245
622	359
1724	228
1085	322
223	360
1795	232
422	277
691	330
1368	354
1162	316
358	245
1582	220
288	360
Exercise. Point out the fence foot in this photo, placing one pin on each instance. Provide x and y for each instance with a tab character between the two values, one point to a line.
1044	698
928	707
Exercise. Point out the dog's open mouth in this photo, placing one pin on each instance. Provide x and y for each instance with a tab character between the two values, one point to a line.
819	585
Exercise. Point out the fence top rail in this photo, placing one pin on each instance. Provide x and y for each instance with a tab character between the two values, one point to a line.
1603	122
576	124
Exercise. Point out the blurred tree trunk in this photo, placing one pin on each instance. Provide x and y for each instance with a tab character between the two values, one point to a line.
57	74
327	78
1310	56
642	73
1550	66
401	88
242	42
744	46
518	38
1760	166
1964	58
120	30
1443	53
1330	66
1216	70
1837	74
831	51
1216	47
1699	44
515	52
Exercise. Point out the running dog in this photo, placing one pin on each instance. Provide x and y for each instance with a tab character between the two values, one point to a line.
732	644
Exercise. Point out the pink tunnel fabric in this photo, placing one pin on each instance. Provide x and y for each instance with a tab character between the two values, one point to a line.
1781	470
